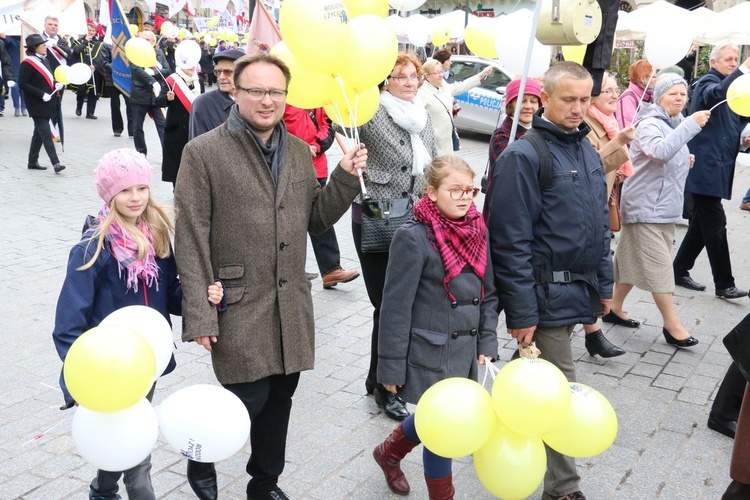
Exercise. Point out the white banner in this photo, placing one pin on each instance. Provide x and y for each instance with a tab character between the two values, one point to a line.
8	12
217	5
71	15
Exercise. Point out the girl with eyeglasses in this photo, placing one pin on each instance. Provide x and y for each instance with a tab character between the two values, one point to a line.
439	312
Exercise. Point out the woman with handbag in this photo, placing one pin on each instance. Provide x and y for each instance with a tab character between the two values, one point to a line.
400	144
611	143
437	97
652	200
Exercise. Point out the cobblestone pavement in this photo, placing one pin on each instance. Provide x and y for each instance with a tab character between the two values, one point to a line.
662	395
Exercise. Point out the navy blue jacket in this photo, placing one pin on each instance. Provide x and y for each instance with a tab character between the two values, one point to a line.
563	228
89	296
716	146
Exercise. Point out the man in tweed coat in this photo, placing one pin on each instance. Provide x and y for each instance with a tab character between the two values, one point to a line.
246	196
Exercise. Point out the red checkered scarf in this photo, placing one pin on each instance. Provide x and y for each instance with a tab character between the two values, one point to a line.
460	242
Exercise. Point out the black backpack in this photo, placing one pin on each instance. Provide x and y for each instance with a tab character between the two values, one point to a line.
545	160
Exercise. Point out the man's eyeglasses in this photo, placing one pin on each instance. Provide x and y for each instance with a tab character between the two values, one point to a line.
226	72
458	193
611	91
276	95
404	79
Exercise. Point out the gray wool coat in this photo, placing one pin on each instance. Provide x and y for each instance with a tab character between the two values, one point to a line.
235	224
424	336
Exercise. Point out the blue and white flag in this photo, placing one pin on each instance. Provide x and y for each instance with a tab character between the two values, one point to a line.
120	32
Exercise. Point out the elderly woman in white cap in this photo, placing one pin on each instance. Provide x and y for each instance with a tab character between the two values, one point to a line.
436	95
651	202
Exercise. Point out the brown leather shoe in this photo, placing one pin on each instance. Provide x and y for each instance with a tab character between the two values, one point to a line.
745	206
337	276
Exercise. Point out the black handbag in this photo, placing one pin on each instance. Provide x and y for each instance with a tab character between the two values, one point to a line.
737	343
381	218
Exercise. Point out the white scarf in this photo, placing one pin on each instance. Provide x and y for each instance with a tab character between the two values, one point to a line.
411	117
190	80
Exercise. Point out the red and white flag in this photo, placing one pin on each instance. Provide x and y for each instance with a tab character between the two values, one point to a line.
263	33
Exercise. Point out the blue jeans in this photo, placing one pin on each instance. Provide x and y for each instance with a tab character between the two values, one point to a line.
746	198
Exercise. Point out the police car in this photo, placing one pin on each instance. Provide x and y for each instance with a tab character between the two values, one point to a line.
481	106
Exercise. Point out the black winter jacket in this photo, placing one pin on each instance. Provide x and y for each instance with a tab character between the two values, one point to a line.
565	227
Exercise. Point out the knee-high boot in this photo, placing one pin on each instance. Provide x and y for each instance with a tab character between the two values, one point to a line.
389	454
202	479
440	489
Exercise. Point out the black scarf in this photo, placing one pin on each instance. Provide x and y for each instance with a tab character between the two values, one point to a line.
273	150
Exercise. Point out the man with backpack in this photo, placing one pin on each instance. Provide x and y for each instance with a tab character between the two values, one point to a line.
549	237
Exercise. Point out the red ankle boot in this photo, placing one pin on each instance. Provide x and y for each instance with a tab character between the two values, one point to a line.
440	489
389	454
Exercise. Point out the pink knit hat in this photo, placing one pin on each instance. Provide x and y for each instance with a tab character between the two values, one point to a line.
532	88
121	169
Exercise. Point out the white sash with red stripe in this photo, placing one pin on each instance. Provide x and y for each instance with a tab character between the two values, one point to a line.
41	68
182	91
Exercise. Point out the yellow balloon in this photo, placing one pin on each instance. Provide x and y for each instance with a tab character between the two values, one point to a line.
61	74
307	89
369	53
738	95
310	28
454	417
109	368
530	396
440	36
359	7
588	428
212	42
140	52
574	53
133	28
510	465
356	109
480	38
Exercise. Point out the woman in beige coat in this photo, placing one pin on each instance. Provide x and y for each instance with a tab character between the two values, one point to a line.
436	95
611	143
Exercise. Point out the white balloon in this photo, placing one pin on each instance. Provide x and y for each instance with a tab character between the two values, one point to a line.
204	423
510	43
115	441
187	54
418	30
79	73
151	325
406	5
665	48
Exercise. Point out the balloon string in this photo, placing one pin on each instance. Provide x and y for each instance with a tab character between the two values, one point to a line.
490	369
165	80
719	104
640	101
338	117
352	110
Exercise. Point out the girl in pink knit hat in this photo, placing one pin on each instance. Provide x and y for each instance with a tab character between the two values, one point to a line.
124	258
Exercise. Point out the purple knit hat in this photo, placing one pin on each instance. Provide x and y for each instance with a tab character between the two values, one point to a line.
119	170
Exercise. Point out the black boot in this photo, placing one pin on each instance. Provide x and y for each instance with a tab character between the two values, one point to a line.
202	479
597	343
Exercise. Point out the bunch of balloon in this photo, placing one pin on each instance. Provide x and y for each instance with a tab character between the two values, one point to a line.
454	417
343	81
109	370
665	48
61	74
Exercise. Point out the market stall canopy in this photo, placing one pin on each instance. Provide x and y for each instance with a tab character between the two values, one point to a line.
728	26
634	25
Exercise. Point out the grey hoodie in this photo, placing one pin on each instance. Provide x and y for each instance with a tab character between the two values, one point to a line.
661	160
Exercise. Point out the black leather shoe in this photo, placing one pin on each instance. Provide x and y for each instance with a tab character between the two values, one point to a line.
730	293
392	405
688	342
36	166
91	117
58	168
202	479
613	318
721	425
597	343
78	112
736	491
274	494
688	282
369	387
